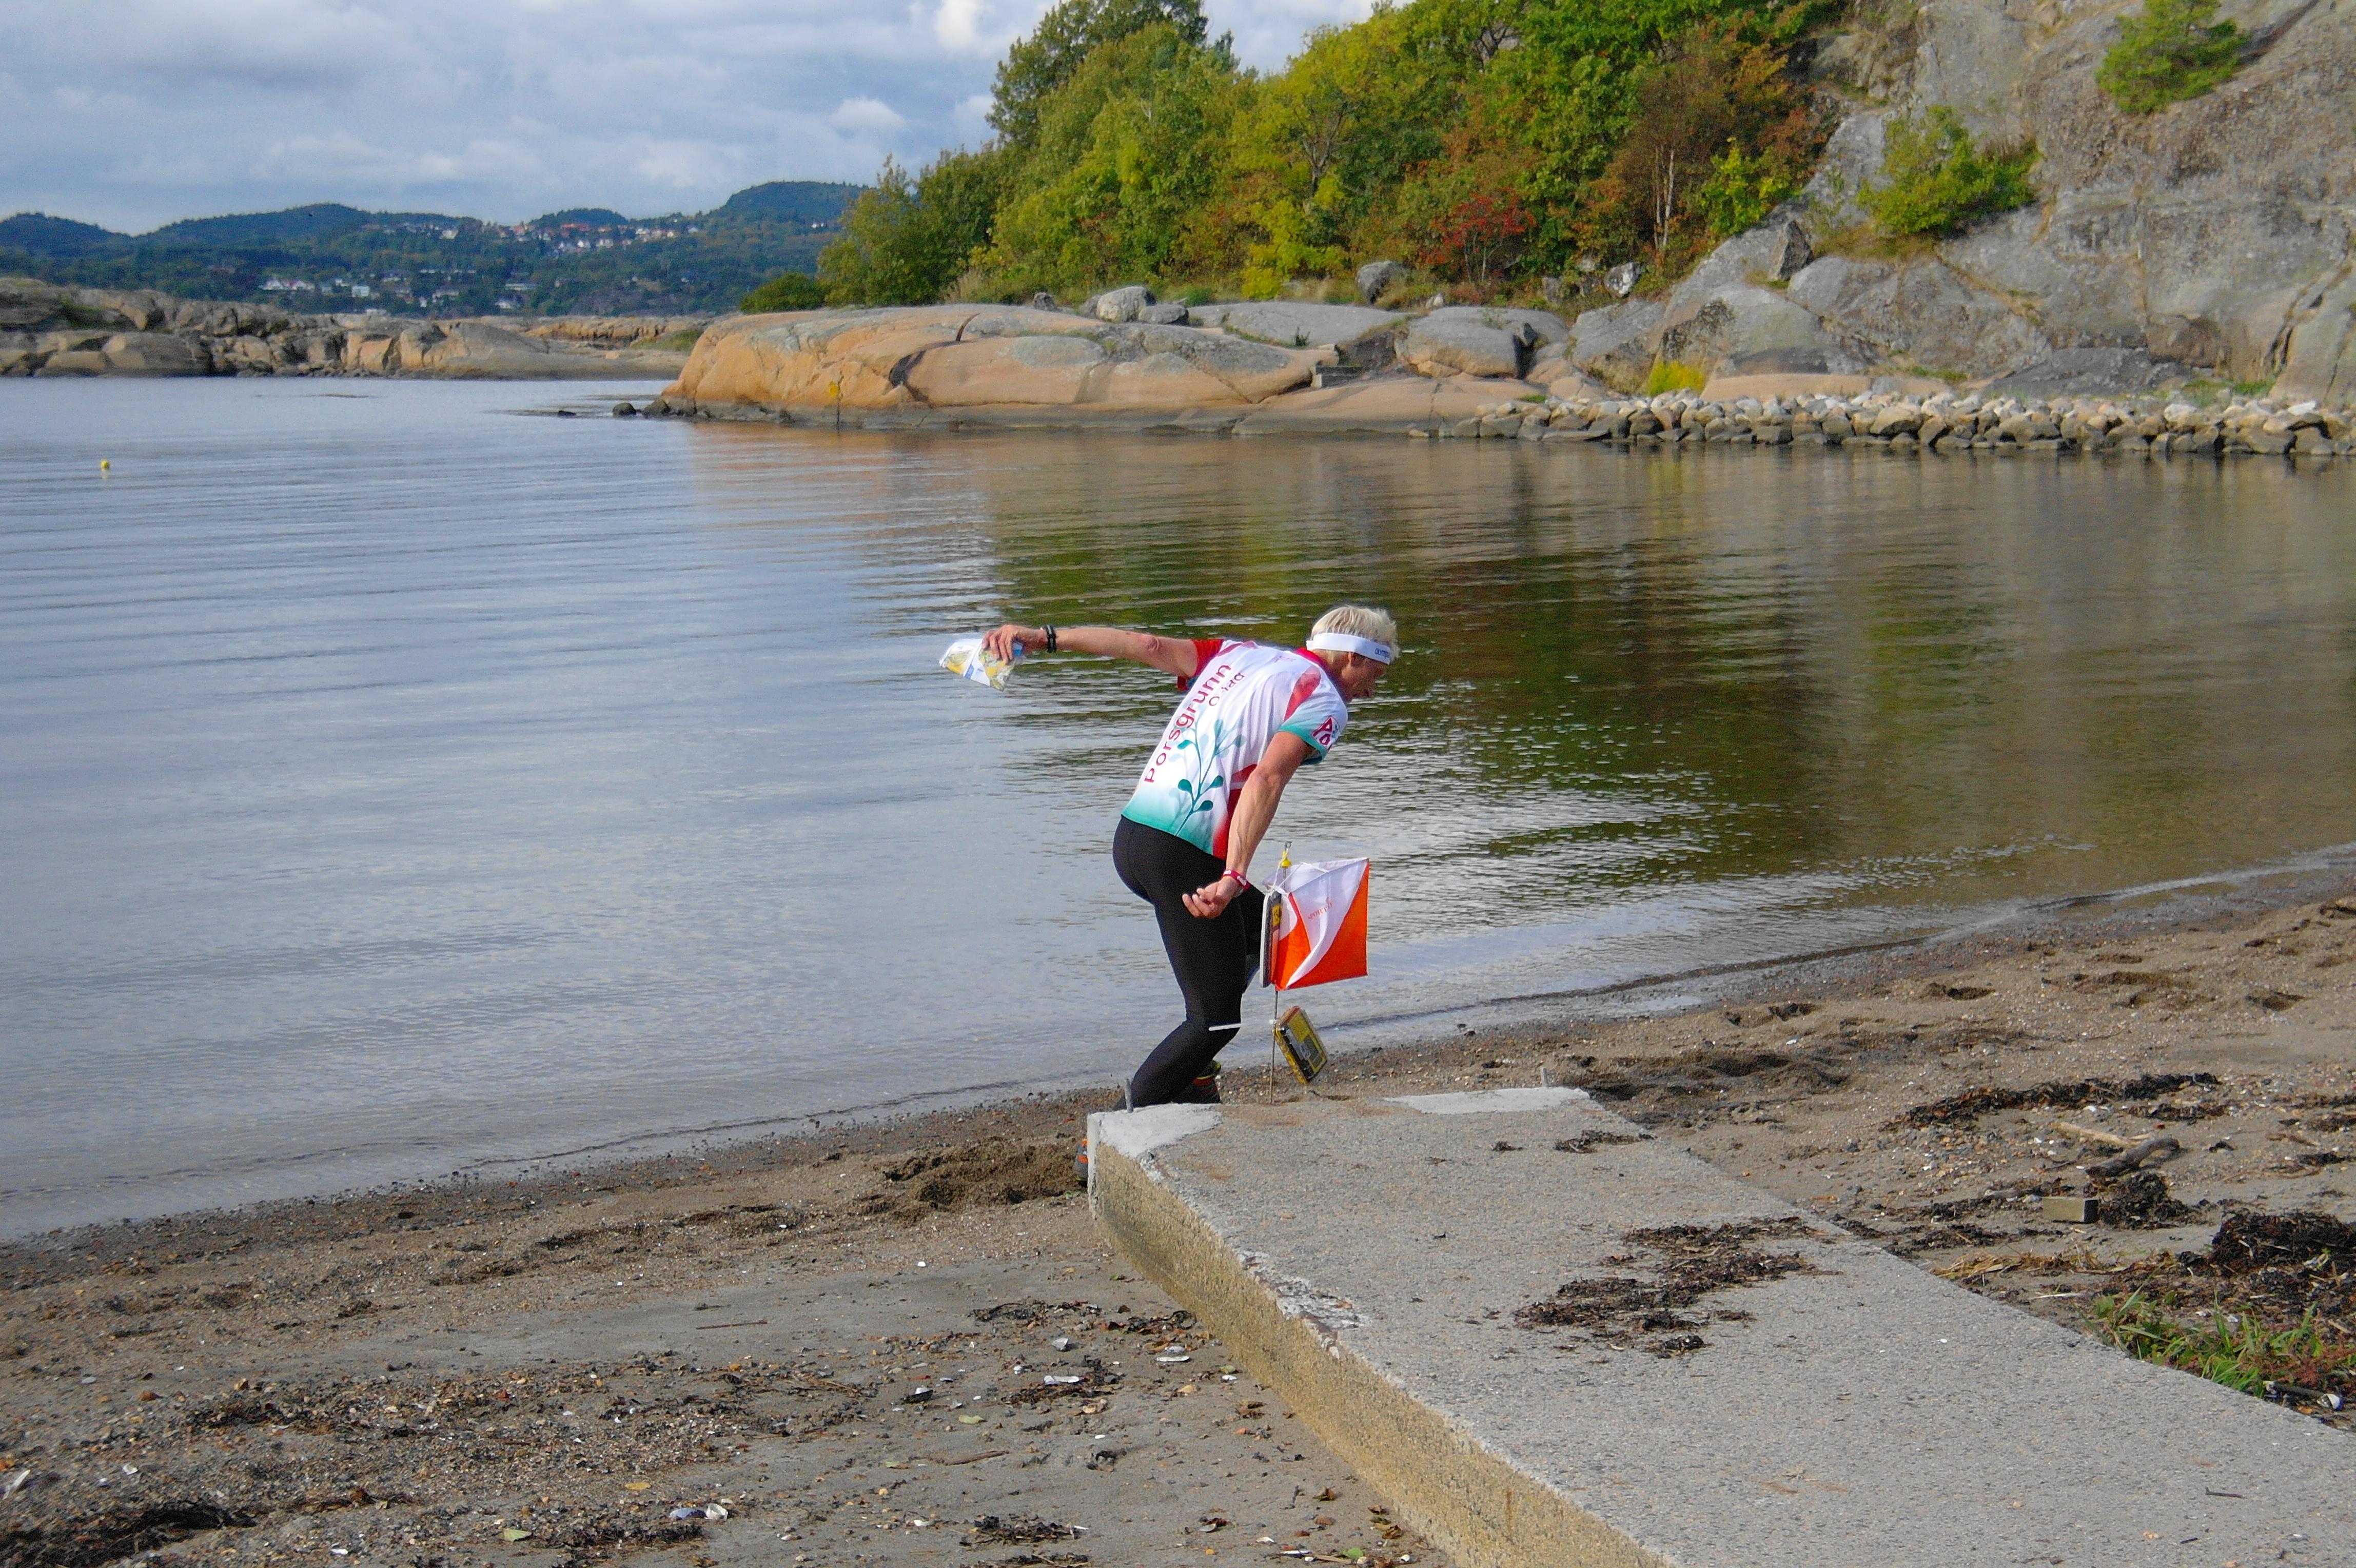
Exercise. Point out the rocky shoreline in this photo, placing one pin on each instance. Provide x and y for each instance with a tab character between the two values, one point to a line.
1454	374
49	330
1123	362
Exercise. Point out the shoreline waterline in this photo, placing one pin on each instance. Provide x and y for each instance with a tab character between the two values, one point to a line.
635	1158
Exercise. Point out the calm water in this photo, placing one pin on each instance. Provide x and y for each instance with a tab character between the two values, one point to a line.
392	784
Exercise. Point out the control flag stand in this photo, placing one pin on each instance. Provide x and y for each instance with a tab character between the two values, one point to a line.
1314	931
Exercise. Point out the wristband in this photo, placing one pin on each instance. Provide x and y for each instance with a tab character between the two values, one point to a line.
1238	875
1051	638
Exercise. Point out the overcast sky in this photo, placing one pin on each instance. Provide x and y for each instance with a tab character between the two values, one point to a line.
133	112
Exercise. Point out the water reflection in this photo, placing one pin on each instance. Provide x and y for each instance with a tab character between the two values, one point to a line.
393	785
1943	681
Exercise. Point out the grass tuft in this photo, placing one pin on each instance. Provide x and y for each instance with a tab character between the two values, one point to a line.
2236	1350
1674	375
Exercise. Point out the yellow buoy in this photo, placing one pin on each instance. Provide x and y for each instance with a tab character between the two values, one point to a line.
103	464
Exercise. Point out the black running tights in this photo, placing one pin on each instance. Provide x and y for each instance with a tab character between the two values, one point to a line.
1214	960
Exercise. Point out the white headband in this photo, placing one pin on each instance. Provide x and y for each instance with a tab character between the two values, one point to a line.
1342	642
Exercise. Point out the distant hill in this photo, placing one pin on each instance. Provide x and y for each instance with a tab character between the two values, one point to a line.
329	257
790	202
311	222
591	217
38	234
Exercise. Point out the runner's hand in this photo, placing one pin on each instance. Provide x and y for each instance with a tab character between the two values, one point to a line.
1211	901
1002	641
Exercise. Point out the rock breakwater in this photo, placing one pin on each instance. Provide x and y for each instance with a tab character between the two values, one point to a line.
46	329
1941	423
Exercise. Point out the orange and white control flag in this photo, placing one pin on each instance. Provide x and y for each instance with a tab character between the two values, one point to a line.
1321	923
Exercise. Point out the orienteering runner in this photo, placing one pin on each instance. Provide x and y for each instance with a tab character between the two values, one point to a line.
1252	716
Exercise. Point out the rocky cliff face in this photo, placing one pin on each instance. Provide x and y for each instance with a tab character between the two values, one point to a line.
2216	236
48	330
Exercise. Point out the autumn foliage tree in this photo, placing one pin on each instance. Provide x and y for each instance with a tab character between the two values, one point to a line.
1714	107
1484	140
1464	212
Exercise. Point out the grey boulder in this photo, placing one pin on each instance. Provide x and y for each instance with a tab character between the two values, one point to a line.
1543	326
1775	252
1452	347
1721	318
1376	276
2320	360
1615	344
1921	311
2072	372
1121	303
1293	325
1479	340
1740	329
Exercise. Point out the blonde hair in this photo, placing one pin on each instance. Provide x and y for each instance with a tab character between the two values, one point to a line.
1359	620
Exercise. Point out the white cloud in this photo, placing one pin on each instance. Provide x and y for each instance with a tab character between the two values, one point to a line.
152	110
314	44
870	115
954	24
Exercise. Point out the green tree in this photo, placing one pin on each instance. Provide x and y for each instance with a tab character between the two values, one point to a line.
876	260
787	291
2169	52
1131	153
906	241
1742	189
1936	179
1460	37
1038	66
960	194
1321	144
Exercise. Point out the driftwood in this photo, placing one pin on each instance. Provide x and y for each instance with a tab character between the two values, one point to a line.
2125	1161
2090	1134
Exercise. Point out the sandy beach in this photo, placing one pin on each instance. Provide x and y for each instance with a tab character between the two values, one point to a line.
904	1343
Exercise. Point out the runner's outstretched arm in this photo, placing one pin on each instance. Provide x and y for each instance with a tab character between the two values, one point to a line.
1174	655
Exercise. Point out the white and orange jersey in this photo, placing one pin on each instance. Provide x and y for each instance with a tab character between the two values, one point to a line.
1243	695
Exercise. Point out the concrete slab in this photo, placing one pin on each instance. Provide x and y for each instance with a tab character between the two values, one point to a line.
1369	1259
